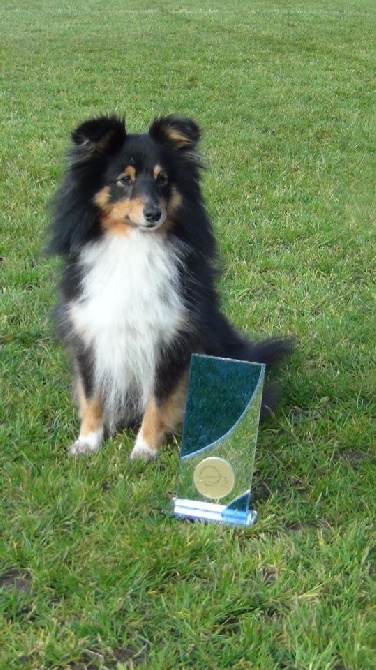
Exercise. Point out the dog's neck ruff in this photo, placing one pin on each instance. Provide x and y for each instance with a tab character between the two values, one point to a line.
129	308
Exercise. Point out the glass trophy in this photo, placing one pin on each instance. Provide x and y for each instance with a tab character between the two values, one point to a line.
219	441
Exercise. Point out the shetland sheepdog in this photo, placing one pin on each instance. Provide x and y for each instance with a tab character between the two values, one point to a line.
138	288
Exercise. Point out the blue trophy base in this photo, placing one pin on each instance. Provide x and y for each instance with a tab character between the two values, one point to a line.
207	511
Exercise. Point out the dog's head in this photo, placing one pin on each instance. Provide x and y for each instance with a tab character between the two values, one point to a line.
136	181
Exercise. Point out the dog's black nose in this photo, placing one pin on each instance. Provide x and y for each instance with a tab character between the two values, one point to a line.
152	213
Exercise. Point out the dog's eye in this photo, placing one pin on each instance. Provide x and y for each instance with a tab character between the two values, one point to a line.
161	179
124	180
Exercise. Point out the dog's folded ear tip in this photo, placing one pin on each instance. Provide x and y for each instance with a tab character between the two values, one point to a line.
181	132
101	131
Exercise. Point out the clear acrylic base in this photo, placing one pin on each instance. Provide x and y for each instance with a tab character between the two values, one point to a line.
205	511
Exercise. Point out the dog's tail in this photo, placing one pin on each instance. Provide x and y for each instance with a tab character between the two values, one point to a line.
270	351
229	343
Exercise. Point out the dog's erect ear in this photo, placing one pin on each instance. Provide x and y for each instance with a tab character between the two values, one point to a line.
179	132
103	134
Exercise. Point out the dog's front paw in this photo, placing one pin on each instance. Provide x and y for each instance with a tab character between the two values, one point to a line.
87	444
141	450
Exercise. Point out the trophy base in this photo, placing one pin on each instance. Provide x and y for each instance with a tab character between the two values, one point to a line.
206	511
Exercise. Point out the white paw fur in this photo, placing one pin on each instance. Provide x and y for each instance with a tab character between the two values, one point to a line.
141	450
87	444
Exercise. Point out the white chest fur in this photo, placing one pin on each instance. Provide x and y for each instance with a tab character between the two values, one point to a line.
129	307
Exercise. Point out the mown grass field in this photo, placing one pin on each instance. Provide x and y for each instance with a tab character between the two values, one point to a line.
93	574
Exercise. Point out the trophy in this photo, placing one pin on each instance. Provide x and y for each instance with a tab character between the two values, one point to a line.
219	441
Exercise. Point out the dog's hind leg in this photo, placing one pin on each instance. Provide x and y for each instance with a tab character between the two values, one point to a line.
91	418
160	419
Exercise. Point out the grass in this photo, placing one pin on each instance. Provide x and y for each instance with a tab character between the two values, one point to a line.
93	574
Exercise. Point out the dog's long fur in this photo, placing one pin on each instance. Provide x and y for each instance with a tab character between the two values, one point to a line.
138	290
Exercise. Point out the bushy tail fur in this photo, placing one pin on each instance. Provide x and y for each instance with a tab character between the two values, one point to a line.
270	351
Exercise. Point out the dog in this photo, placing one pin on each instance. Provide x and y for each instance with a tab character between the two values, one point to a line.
138	288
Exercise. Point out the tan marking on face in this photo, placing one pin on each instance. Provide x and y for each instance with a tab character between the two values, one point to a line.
116	227
130	171
176	200
157	171
102	197
91	411
130	208
119	216
159	420
172	205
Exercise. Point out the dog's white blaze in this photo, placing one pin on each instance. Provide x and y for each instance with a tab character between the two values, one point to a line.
129	307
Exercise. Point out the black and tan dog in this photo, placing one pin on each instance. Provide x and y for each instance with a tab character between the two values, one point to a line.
138	290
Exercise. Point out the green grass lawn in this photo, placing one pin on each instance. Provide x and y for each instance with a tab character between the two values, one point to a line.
93	574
